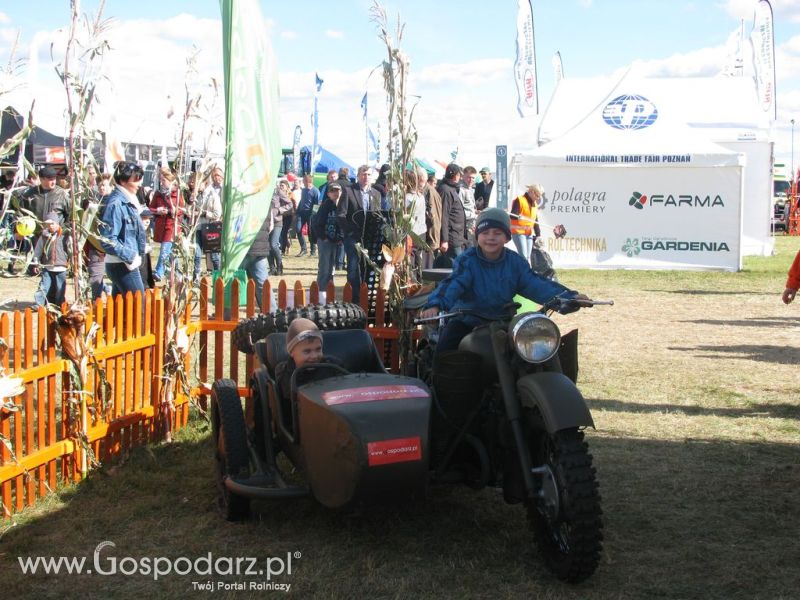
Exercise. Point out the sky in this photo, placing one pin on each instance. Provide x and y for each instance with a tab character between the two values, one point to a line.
461	54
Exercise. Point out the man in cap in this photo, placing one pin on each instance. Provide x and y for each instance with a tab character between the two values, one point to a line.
453	237
328	233
483	189
304	345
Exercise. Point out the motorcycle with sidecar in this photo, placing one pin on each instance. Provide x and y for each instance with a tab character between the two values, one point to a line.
498	412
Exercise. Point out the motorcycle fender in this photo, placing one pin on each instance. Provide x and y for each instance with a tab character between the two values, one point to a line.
558	400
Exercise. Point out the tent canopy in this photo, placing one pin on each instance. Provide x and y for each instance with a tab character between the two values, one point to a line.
37	142
702	114
328	161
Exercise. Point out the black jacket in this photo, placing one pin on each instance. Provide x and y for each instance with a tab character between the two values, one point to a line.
350	211
319	222
260	246
482	193
454	221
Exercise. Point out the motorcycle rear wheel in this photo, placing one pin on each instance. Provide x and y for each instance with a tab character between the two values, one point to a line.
569	531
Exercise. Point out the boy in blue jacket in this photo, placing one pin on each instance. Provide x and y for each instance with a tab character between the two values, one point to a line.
485	279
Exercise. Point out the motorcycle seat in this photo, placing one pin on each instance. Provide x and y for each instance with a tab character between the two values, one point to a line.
353	347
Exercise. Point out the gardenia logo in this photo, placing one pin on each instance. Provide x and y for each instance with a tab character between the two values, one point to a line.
633	246
630	112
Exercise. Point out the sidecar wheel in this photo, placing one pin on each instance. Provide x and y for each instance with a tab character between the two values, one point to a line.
567	525
232	458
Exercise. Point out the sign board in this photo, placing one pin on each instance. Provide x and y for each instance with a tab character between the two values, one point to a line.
501	176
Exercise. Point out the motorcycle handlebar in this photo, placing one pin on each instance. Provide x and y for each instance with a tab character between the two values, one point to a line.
554	304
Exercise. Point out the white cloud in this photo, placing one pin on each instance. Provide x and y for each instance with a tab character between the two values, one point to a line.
4	19
289	35
334	34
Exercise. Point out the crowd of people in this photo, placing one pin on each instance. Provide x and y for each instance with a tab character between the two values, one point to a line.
328	222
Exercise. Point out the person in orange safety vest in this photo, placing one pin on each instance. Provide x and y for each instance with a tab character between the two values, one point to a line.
524	225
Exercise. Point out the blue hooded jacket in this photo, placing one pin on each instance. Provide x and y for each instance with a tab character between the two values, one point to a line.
487	286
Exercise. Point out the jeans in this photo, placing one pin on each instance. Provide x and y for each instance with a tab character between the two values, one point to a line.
52	288
455	330
327	260
275	257
123	280
304	218
353	267
340	257
96	269
163	257
285	229
198	254
258	270
523	243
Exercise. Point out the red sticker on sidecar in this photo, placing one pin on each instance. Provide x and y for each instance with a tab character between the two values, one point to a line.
372	393
394	451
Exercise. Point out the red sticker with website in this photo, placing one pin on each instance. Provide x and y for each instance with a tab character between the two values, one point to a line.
394	451
372	393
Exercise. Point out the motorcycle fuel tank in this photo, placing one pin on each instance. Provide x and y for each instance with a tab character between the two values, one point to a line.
364	437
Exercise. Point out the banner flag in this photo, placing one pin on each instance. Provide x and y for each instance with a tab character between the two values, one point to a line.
296	149
763	40
373	154
558	67
316	153
252	134
735	59
525	65
364	105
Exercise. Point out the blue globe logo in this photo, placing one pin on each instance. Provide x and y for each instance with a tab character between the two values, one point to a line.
630	112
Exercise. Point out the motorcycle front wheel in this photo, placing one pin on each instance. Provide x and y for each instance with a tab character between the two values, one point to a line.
566	519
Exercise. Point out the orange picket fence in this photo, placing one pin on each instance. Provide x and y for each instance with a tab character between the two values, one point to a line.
50	433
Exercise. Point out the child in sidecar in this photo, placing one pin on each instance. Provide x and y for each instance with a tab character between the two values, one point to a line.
485	279
304	345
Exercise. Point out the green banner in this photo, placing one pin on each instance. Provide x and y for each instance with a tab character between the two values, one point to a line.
253	148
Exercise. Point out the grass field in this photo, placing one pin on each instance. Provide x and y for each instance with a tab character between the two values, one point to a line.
693	380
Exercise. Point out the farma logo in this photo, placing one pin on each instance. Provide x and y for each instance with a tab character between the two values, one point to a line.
630	112
639	200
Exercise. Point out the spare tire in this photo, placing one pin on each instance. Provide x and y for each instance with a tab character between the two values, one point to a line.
335	315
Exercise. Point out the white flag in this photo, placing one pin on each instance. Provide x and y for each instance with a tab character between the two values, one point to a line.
525	65
763	40
558	67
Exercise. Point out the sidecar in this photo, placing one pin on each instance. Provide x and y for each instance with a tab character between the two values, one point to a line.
358	435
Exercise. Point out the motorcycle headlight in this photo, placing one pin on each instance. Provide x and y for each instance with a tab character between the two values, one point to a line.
536	338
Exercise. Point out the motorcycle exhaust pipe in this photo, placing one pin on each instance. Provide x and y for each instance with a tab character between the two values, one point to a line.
513	412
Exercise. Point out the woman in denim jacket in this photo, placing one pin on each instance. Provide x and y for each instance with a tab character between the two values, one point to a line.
121	232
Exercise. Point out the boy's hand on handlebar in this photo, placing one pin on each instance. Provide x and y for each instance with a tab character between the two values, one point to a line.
583	301
429	312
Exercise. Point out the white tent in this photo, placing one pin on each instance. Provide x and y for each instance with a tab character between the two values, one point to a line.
723	110
637	188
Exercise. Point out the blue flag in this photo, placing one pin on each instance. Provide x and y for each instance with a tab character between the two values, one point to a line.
319	81
364	105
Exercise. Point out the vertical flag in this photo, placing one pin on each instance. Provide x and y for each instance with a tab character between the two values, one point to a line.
315	153
763	40
372	150
558	67
525	65
378	147
252	132
367	132
735	65
296	149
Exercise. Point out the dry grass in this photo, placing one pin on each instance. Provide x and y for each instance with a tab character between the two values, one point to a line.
693	382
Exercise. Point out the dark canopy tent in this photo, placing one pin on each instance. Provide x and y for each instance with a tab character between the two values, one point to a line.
37	144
